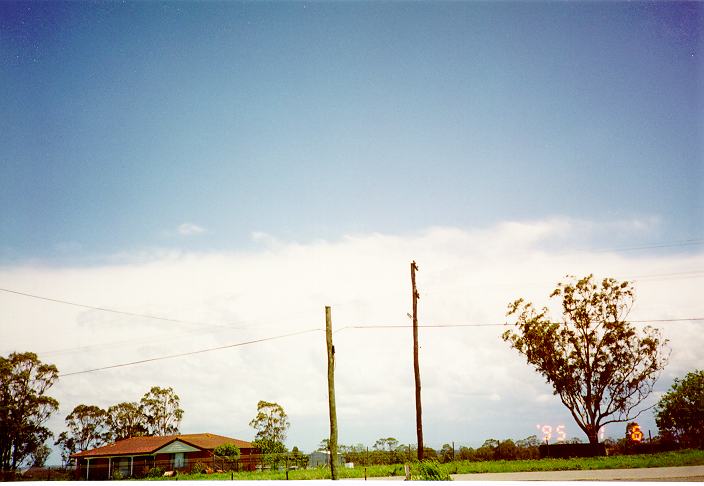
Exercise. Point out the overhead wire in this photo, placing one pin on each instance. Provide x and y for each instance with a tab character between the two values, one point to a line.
188	353
694	273
498	324
116	311
226	327
688	242
271	338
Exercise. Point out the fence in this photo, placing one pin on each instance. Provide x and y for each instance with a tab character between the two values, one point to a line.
45	473
142	466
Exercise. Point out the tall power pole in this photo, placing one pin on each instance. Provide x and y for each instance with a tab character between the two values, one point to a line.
331	393
416	367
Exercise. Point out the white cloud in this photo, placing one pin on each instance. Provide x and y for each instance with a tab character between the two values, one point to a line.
190	229
474	386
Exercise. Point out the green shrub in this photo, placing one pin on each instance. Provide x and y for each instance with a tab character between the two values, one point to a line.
116	475
429	471
198	468
228	451
155	472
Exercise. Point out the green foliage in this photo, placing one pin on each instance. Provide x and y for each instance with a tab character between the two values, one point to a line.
24	407
273	452
40	455
446	453
68	446
465	453
430	454
386	444
229	451
297	458
87	429
599	365
199	468
429	471
126	420
506	450
271	423
155	472
680	412
162	412
117	475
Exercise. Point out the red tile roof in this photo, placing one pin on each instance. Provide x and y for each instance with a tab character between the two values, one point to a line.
149	445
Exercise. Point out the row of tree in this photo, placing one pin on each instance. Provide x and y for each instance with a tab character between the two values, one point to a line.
158	412
388	450
25	408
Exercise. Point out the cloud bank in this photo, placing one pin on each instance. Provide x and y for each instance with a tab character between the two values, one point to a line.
474	386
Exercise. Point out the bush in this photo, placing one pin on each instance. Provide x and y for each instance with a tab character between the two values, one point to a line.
430	471
229	451
198	468
155	472
116	475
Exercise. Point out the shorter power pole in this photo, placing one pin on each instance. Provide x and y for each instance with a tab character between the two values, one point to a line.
331	393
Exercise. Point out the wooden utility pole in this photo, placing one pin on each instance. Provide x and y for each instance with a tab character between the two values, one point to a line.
331	393
416	366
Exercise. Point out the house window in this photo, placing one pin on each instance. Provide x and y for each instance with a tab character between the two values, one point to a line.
179	460
123	465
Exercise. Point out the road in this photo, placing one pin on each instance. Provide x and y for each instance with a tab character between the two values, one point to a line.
683	473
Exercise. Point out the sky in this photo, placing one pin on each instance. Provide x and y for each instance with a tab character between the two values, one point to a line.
241	165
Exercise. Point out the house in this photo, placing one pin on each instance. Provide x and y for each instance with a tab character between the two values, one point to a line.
134	457
322	458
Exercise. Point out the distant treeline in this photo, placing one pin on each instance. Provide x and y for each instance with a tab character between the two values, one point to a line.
389	451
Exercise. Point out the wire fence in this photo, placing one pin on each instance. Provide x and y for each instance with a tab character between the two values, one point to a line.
156	466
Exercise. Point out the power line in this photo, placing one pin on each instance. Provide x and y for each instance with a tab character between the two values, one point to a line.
189	353
231	327
116	311
117	343
499	324
666	276
383	326
690	242
655	276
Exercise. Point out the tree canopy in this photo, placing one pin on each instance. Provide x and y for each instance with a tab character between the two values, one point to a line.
24	407
89	426
271	423
162	412
87	429
680	412
598	363
126	420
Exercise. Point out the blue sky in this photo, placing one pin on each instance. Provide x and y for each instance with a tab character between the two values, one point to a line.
314	120
250	163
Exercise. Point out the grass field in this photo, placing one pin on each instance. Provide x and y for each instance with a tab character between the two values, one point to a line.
663	459
679	458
